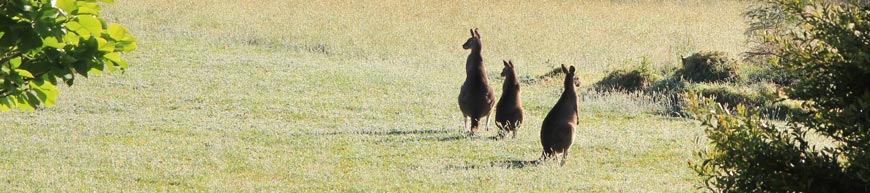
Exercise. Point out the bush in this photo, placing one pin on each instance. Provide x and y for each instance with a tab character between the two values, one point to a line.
827	52
747	154
708	66
762	97
767	20
638	78
765	72
731	95
554	74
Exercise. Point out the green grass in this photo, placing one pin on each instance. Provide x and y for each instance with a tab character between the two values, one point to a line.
336	96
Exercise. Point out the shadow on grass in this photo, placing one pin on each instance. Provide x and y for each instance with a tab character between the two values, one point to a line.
433	134
391	132
507	164
465	136
518	164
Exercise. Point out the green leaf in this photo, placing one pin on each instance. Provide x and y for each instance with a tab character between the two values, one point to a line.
65	74
114	57
88	8
68	6
32	101
71	38
48	14
104	45
66	60
91	23
5	104
29	41
117	32
15	62
52	42
9	38
126	46
45	91
24	73
78	28
38	66
6	20
120	33
51	77
111	66
82	67
60	19
20	102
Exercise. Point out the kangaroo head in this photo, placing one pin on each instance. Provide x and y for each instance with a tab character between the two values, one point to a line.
473	42
683	59
570	79
508	68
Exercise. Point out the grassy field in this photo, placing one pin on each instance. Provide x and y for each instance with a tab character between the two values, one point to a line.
358	96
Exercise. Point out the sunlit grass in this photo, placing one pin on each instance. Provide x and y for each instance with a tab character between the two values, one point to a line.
361	96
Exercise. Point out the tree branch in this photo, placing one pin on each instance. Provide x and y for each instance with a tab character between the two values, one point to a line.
7	59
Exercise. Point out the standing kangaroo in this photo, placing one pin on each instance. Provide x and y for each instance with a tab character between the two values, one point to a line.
476	97
509	110
557	131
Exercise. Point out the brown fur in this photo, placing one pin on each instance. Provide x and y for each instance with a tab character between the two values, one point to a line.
509	110
476	97
557	131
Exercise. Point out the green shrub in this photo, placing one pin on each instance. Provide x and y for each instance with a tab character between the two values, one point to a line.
708	66
731	95
827	52
555	73
760	73
767	20
782	110
638	78
747	154
763	97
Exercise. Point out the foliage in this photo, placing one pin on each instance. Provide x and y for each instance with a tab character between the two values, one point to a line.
827	51
767	19
764	97
750	73
42	42
637	78
747	154
708	66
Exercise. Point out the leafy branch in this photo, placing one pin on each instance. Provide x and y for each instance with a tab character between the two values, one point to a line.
51	40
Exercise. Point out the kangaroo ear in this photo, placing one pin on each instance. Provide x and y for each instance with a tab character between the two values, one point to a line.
506	63
564	70
477	34
511	63
572	69
472	32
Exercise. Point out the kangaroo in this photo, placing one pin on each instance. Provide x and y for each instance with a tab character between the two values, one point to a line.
509	110
476	97
557	130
